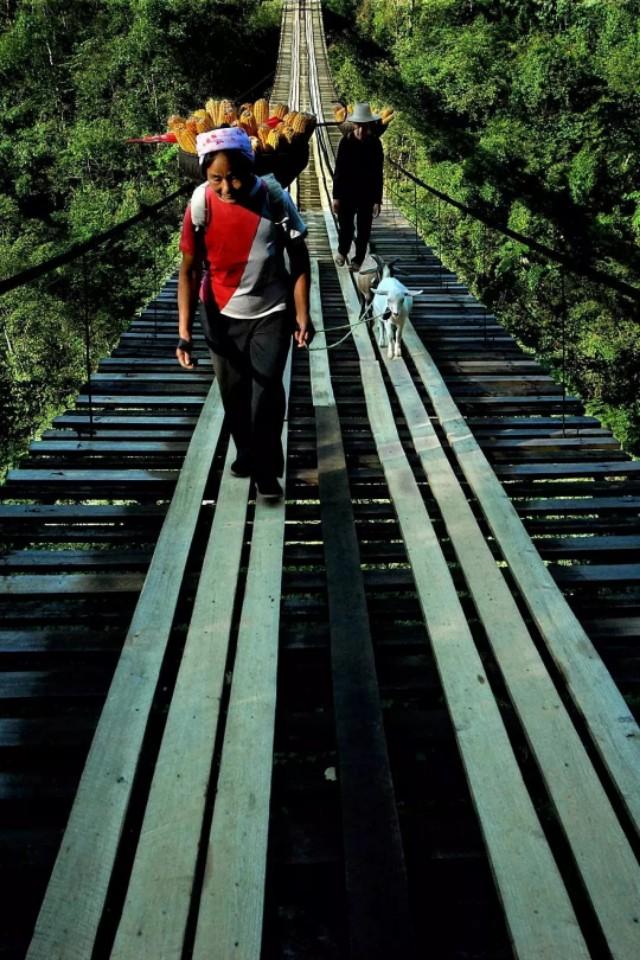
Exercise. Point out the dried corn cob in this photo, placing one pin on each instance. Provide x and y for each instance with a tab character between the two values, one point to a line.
289	118
263	134
387	116
261	111
211	106
192	125
175	123
300	123
287	132
256	146
278	110
339	113
276	140
186	139
202	119
229	114
248	122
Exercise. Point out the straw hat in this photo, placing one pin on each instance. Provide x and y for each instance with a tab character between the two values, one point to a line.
362	114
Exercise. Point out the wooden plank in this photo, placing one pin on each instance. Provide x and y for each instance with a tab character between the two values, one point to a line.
379	919
157	904
571	781
538	910
51	684
54	641
564	547
526	421
232	897
610	722
102	447
16	513
540	471
171	401
75	897
28	561
82	584
97	477
185	378
550	443
100	421
624	573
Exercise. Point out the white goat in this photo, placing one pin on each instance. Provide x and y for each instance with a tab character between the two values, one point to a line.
392	303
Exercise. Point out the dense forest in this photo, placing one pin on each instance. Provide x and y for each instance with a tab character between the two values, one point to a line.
76	80
529	112
526	110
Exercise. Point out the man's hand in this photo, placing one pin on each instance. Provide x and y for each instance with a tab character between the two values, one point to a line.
376	210
184	354
304	333
336	206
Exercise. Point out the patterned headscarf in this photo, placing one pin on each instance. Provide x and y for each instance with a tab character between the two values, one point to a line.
225	138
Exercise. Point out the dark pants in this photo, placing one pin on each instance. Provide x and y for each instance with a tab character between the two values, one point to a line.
248	359
362	212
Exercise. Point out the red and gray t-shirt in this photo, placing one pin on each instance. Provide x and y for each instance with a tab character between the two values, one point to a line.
244	271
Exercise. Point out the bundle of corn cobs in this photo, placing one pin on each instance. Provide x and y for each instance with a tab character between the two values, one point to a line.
341	112
270	126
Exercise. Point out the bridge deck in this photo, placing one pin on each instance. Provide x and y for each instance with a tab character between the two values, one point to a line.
392	712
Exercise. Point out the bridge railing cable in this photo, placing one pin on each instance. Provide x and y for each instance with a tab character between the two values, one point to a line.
92	287
570	263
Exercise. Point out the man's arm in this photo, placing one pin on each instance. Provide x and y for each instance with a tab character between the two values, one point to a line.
188	285
301	277
338	175
378	179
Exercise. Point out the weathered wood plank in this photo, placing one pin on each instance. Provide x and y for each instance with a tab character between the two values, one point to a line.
610	722
157	904
28	585
67	924
540	471
572	783
627	573
27	561
233	889
379	920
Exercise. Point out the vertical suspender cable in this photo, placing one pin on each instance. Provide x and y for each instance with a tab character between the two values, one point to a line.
87	337
563	324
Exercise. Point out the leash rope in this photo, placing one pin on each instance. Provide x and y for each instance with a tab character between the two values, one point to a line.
349	327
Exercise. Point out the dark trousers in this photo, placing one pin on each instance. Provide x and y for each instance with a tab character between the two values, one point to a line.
362	212
248	359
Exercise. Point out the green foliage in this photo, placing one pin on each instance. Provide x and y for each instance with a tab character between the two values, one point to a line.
528	110
77	79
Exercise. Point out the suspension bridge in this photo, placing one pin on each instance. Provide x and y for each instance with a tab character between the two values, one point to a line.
388	717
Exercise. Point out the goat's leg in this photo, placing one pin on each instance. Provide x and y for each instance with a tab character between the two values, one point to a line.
398	343
391	331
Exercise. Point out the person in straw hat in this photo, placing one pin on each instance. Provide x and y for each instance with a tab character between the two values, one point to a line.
357	184
233	257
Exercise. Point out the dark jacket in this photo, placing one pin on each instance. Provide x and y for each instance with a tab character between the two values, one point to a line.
358	172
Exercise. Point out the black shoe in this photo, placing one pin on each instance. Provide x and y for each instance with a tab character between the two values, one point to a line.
269	488
241	466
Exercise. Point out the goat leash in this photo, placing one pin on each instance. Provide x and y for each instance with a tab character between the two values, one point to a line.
349	327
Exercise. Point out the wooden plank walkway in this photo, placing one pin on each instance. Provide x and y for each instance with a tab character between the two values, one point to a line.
422	665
